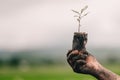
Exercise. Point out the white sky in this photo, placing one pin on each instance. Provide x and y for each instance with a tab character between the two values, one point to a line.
48	23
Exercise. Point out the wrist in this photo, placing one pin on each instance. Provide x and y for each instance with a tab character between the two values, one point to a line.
104	74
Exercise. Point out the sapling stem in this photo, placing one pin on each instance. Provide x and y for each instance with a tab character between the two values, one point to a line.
79	23
80	15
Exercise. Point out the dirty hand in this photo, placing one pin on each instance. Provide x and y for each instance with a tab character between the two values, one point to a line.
82	62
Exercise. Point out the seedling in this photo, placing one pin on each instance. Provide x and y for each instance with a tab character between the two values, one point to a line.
80	15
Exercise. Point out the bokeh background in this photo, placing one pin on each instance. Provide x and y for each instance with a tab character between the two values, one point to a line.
35	36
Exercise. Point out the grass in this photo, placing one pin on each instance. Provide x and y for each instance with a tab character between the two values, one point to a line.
45	73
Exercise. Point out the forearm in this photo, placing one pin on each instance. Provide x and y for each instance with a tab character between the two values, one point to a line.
105	74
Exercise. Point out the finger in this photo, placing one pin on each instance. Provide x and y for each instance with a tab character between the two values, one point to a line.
72	53
78	66
71	62
81	62
74	57
69	52
80	56
71	59
70	56
83	56
77	57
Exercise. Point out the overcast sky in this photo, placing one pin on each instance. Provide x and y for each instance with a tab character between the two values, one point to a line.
47	23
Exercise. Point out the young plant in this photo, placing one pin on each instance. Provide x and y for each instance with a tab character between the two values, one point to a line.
80	15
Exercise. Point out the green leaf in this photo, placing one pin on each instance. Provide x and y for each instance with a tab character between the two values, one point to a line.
82	10
85	14
76	11
76	16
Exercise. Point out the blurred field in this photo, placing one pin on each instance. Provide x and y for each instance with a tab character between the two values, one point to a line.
46	73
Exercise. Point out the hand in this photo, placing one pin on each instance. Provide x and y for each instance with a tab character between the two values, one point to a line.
83	62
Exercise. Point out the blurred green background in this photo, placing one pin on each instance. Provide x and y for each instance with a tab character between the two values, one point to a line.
45	64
